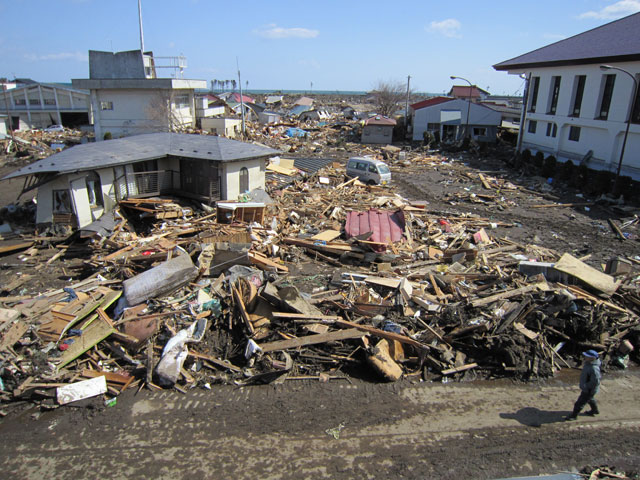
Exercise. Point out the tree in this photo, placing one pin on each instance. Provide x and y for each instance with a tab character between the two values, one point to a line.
161	116
388	96
233	85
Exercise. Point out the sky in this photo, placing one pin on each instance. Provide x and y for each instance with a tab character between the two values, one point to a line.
325	45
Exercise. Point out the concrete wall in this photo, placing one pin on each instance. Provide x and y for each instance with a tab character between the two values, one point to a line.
138	111
227	127
116	65
603	137
231	177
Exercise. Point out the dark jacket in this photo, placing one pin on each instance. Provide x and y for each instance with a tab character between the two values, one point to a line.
590	377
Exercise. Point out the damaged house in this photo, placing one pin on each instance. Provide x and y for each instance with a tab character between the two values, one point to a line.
447	118
80	184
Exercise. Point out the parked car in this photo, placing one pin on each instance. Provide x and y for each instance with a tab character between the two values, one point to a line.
54	129
369	170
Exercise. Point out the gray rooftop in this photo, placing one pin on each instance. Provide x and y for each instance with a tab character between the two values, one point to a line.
614	42
149	146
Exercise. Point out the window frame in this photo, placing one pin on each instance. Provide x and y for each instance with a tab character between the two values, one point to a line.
574	133
533	103
606	96
554	94
532	127
634	115
578	95
106	105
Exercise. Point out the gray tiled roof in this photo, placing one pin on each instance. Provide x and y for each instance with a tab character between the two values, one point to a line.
615	41
144	147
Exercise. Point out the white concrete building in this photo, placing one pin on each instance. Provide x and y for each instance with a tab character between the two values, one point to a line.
127	97
38	105
447	118
223	126
574	110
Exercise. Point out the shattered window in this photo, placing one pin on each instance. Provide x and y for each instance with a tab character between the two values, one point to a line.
61	201
94	189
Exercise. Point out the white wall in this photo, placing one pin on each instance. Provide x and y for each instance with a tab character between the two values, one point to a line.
603	137
231	177
478	116
137	111
228	127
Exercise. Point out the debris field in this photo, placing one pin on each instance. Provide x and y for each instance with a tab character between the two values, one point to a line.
323	278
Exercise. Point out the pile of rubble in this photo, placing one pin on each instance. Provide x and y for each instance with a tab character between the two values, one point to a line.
332	279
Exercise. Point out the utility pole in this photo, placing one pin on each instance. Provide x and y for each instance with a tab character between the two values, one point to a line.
141	32
406	109
241	97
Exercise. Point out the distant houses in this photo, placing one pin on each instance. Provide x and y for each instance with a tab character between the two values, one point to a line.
578	111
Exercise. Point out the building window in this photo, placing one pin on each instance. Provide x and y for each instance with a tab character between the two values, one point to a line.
106	105
635	112
607	93
244	180
433	126
181	101
574	134
555	93
479	132
552	129
20	101
61	201
533	124
534	93
49	101
34	101
94	189
578	94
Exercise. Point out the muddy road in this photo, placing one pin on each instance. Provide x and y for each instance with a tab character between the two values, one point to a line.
336	430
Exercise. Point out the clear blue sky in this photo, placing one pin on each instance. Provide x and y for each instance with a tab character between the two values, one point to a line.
337	45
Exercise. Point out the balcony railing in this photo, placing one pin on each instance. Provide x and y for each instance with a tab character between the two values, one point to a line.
164	182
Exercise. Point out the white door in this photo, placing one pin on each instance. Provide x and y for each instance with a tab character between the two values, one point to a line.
81	205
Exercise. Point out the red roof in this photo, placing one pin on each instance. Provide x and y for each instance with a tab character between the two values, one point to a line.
385	227
379	120
235	97
462	91
429	102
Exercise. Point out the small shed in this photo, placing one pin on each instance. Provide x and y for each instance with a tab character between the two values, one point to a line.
378	129
268	116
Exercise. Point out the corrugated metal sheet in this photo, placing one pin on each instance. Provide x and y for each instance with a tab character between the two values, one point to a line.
385	227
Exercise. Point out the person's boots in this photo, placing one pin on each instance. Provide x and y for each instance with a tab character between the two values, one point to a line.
573	416
593	412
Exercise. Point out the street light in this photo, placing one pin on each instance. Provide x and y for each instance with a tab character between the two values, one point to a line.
453	77
634	95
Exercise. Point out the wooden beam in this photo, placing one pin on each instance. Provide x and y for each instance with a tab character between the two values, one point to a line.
383	334
501	296
312	340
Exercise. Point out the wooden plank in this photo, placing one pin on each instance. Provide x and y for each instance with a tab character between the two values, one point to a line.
91	336
14	248
589	275
216	361
462	368
243	311
303	316
327	235
501	296
111	377
14	334
616	229
381	333
311	340
261	261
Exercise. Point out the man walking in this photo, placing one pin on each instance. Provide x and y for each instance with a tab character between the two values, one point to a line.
589	385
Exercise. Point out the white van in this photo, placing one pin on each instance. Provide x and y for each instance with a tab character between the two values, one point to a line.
368	170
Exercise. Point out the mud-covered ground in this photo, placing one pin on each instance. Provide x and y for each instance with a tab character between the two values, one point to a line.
354	429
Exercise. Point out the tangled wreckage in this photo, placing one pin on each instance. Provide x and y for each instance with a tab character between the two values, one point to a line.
325	278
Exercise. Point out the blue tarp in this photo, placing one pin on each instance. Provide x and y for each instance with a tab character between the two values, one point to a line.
295	132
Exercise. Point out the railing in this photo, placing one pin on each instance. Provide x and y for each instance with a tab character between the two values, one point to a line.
161	182
147	184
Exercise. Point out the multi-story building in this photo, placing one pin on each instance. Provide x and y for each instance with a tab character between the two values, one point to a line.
582	96
128	98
